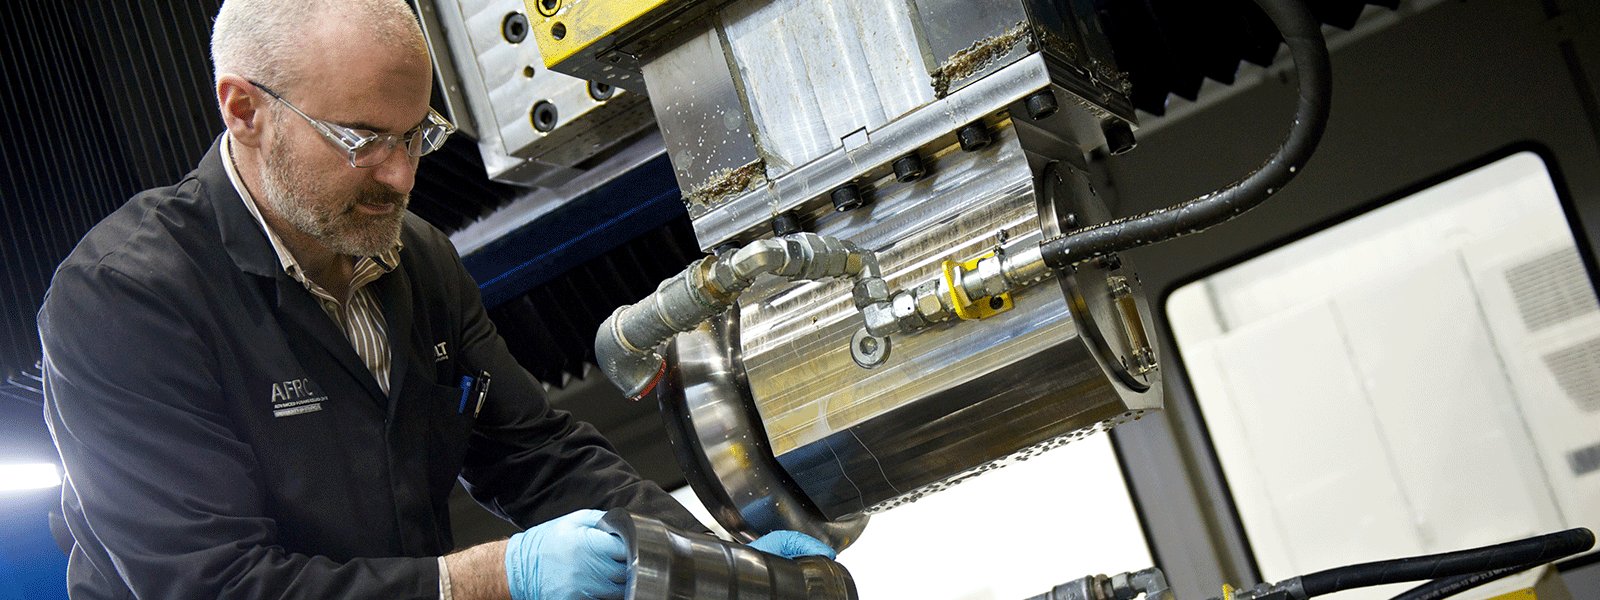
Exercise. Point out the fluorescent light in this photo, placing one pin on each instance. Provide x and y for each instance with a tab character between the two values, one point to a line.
29	476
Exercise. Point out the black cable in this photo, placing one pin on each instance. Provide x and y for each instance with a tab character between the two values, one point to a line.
1303	34
1531	551
1450	586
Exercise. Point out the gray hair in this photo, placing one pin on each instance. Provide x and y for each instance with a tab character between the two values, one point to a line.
256	38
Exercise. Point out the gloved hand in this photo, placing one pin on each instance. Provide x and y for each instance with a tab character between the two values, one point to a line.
792	544
567	558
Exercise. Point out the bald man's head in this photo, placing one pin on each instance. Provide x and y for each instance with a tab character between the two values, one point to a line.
270	41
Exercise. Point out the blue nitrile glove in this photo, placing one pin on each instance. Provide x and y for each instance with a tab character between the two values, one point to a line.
792	544
567	558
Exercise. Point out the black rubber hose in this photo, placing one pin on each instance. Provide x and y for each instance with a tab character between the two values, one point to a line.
1531	551
1450	586
1303	34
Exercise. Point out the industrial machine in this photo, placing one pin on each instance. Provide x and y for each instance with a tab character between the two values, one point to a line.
910	278
913	280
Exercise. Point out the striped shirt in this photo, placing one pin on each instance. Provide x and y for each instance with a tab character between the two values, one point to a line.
358	315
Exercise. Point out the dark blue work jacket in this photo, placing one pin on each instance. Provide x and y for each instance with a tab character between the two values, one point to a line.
181	363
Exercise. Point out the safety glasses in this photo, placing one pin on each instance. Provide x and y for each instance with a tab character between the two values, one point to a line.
369	149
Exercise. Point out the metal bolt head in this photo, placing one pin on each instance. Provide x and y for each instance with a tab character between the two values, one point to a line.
908	168
786	223
974	137
847	197
868	350
1041	104
514	28
1119	136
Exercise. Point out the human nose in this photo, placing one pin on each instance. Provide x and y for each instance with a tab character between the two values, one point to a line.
398	171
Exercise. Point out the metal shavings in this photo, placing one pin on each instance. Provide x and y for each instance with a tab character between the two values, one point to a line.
1066	48
725	184
975	57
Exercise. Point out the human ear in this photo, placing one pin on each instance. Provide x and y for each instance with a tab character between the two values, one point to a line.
242	110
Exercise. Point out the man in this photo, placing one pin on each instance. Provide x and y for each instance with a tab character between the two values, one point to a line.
265	380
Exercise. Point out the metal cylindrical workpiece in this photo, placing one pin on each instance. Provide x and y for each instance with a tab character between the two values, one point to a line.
666	564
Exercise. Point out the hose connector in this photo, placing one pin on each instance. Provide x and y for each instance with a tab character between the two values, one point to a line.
628	342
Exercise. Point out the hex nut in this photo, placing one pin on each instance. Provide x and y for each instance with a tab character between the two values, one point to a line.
870	290
929	305
905	312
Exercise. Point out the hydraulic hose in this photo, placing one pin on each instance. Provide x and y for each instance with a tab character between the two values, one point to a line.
1531	551
1450	586
1303	34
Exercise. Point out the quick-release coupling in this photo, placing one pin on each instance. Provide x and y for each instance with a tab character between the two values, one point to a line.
626	346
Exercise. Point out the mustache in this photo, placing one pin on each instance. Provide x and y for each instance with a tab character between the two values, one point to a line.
378	194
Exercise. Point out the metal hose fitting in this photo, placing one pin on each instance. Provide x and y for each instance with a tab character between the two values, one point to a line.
626	344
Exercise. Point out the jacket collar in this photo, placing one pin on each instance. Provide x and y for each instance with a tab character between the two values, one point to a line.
243	238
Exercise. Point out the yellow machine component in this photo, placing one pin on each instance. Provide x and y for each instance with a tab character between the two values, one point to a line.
568	27
973	309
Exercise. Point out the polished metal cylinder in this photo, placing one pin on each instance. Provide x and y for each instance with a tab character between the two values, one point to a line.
667	564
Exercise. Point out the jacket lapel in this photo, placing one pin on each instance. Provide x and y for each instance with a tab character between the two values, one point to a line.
299	309
393	290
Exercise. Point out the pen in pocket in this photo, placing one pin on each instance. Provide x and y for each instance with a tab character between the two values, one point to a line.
467	383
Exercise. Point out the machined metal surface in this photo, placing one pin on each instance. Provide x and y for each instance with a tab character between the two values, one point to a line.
626	343
666	564
813	73
534	126
816	403
719	439
953	400
697	104
929	130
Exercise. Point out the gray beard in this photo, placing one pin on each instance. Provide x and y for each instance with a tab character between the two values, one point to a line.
339	228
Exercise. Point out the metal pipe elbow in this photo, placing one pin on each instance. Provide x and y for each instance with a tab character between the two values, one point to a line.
636	371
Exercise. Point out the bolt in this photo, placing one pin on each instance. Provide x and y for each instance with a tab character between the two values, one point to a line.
601	91
544	116
1119	136
974	137
908	168
548	7
514	27
786	223
847	197
869	350
1041	104
996	303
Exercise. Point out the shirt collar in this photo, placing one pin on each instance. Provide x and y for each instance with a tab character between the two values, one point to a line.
386	261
